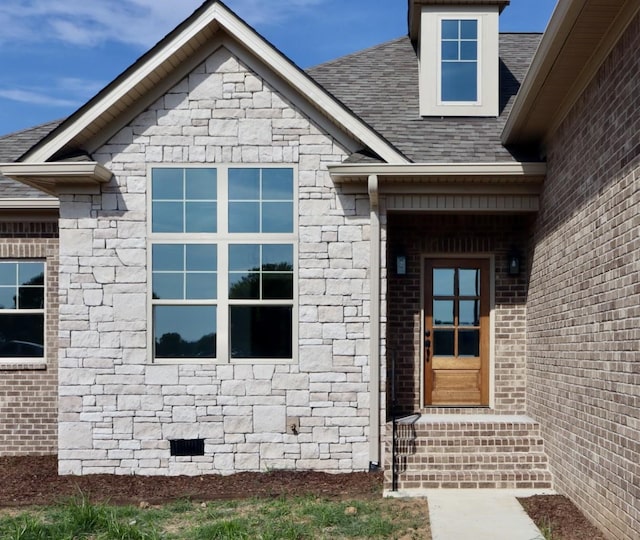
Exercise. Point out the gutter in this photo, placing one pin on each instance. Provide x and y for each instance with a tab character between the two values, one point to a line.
374	331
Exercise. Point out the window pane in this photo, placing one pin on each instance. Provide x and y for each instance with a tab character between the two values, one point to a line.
277	286
244	257
261	331
31	273
167	217
450	29
443	312
31	298
8	298
443	342
167	257
459	81
202	217
244	217
277	184
201	184
21	336
277	217
443	281
244	184
468	50
167	184
201	257
202	286
169	286
277	257
450	50
184	331
8	274
244	286
469	29
469	282
469	313
469	343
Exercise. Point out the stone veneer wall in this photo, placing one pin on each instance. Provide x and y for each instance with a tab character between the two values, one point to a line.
418	235
584	303
118	410
28	391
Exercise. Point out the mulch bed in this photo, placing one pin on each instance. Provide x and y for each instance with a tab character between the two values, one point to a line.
27	481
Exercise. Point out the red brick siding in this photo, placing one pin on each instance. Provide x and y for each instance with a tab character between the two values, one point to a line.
584	299
462	235
28	396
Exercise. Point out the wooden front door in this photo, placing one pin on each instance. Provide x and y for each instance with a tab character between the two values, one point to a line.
456	332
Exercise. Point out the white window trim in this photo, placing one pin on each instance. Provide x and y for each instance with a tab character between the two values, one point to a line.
222	239
33	360
488	101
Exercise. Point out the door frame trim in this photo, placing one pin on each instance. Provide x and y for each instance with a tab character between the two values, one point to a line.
492	284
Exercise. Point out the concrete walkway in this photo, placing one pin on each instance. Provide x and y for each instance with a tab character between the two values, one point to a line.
478	514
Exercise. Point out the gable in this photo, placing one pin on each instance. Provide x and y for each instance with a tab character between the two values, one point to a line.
209	28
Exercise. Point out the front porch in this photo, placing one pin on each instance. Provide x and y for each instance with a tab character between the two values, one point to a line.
456	392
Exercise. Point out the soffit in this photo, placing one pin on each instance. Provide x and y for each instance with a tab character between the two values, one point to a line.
580	35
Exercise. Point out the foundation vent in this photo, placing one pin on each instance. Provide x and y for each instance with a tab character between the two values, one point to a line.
187	447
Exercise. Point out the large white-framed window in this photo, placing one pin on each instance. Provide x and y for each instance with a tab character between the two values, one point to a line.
222	263
459	61
22	309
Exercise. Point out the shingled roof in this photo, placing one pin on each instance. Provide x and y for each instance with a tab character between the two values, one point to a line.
381	86
12	146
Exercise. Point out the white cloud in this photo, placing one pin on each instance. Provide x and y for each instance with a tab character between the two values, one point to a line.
63	93
134	22
36	98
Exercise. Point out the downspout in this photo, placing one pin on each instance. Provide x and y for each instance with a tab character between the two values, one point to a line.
374	337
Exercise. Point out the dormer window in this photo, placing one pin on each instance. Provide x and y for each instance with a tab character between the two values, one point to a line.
459	60
458	48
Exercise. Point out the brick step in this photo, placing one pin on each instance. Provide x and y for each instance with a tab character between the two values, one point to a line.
468	452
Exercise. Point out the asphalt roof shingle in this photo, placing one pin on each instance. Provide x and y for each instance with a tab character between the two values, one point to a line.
12	146
381	86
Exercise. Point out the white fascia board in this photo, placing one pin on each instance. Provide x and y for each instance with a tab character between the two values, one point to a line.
437	169
559	27
244	34
30	203
51	177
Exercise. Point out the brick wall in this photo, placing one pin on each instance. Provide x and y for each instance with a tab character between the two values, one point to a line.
118	409
28	392
584	300
418	235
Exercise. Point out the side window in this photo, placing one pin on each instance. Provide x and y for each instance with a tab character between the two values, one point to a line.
222	257
22	307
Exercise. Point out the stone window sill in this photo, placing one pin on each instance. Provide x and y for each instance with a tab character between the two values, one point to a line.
22	365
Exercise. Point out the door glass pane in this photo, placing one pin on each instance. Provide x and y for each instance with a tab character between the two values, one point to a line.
261	331
469	282
469	343
443	281
184	331
443	312
469	313
443	342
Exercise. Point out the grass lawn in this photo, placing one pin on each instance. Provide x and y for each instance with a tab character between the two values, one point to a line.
258	519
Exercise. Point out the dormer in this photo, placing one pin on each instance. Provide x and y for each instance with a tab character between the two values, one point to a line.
457	44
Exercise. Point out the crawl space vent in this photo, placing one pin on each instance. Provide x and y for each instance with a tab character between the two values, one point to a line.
187	447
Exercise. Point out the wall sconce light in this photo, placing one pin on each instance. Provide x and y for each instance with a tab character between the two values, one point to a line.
514	262
401	264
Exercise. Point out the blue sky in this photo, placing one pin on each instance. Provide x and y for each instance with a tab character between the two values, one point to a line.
56	54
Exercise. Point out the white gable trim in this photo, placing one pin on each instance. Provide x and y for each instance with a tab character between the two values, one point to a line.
244	34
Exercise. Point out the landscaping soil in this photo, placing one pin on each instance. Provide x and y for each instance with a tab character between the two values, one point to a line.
34	481
559	516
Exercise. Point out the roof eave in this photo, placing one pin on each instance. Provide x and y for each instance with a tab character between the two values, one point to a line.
59	177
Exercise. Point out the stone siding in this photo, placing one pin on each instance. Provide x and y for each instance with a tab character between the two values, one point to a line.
28	391
584	300
118	409
418	235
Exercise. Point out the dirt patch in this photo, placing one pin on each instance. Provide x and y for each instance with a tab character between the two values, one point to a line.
558	516
35	481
